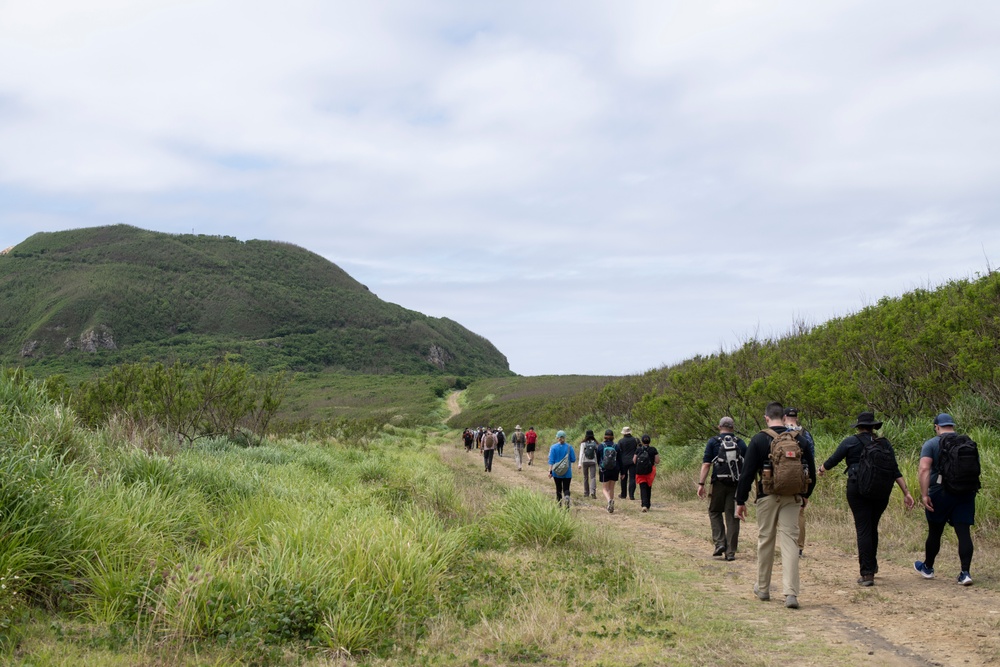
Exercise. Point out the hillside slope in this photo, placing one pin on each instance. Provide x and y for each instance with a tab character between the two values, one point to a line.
110	294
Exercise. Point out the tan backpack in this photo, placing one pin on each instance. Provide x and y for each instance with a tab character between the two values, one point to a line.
789	473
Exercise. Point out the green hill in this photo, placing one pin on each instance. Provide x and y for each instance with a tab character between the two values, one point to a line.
101	296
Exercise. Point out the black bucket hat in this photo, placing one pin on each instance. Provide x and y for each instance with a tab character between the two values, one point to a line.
867	419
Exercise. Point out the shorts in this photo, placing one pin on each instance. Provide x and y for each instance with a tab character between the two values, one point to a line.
530	447
608	475
956	510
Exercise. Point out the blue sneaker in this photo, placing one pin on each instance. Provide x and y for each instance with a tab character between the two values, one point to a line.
964	579
925	572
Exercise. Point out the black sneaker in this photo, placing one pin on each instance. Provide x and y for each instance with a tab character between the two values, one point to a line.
719	551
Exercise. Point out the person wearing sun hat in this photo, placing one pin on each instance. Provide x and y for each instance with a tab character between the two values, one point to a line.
561	460
518	440
867	508
627	447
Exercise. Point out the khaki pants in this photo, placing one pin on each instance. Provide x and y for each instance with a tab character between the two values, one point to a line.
802	528
778	521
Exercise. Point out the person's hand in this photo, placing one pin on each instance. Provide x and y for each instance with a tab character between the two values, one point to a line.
908	501
821	470
805	501
701	491
741	512
928	505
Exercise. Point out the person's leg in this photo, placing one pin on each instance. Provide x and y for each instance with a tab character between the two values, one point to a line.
767	532
933	543
788	540
631	482
645	495
624	483
965	546
559	489
861	510
587	475
488	458
593	480
716	508
732	523
802	528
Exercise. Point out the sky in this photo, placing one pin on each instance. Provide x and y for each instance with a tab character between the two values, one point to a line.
596	187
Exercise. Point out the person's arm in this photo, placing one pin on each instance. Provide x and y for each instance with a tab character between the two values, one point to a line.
839	455
752	462
580	458
924	475
702	477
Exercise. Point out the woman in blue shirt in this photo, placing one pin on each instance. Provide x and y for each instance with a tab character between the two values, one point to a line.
561	460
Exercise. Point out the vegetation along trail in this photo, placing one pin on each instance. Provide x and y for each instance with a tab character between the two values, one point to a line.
903	620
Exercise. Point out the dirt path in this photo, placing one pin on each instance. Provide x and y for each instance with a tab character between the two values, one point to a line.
452	403
903	620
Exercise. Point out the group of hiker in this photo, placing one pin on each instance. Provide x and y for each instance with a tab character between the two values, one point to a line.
780	463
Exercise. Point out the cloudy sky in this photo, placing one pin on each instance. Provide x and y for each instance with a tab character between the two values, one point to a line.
596	187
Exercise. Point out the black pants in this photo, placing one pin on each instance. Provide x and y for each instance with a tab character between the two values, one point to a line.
645	493
488	459
500	449
867	513
628	478
933	544
562	487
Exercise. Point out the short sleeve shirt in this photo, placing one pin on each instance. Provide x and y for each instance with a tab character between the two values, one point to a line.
932	449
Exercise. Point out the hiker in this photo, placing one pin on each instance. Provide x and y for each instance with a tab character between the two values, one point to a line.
489	445
949	480
789	475
626	466
608	456
518	440
501	439
645	460
588	463
467	437
561	460
871	471
724	457
529	444
792	424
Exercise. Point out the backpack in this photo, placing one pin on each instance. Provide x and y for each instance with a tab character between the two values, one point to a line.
643	461
501	438
876	472
728	462
789	475
590	450
609	461
958	463
562	466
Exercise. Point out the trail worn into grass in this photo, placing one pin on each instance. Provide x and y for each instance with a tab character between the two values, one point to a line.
902	620
452	403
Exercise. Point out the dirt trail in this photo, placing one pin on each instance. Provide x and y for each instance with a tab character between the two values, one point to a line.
902	620
452	403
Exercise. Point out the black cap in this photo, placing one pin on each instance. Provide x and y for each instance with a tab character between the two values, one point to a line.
609	432
791	412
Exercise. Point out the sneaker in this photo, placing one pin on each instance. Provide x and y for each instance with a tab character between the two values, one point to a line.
801	555
964	579
730	556
866	580
611	507
719	551
925	572
593	496
762	595
645	509
791	602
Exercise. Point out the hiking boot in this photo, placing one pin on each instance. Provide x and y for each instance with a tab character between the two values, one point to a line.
964	579
611	507
719	551
762	595
567	501
866	580
791	602
801	555
730	556
593	496
925	572
645	509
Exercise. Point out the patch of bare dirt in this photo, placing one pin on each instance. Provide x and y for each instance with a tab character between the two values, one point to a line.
902	620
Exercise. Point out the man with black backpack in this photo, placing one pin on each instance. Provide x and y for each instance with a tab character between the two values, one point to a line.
627	447
786	476
724	456
949	480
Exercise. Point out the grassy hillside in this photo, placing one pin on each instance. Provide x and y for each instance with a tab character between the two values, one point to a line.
101	296
549	400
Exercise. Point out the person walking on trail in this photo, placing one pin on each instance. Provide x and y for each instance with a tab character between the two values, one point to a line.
561	460
871	471
530	438
588	463
501	439
723	459
785	476
608	456
792	424
645	460
468	438
949	480
626	466
489	445
517	439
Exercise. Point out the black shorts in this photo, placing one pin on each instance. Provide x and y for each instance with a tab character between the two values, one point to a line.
956	510
530	447
608	475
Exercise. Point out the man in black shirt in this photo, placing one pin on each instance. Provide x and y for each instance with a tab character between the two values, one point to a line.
777	515
627	447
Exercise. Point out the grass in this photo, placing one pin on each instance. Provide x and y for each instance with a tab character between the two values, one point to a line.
542	401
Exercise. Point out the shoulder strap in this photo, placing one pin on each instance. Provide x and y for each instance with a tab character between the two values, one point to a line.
771	432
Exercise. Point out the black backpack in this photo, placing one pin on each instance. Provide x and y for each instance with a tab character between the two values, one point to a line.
728	462
590	450
876	472
609	461
501	439
959	464
643	461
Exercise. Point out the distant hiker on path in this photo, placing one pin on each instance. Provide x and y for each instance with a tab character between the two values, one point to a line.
949	480
792	424
626	466
561	460
607	462
489	445
646	459
518	440
529	439
468	438
871	471
785	475
724	457
588	463
501	440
